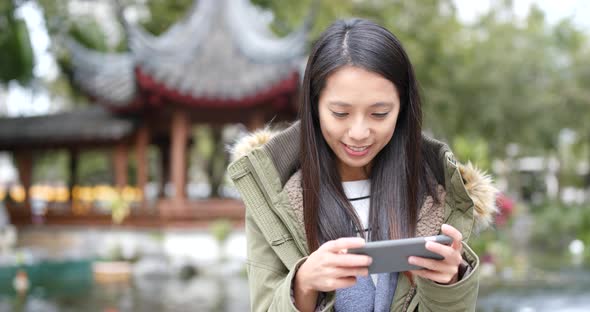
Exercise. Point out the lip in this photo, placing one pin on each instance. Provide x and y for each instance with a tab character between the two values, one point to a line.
355	153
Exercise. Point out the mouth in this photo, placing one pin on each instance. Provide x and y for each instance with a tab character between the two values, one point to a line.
356	150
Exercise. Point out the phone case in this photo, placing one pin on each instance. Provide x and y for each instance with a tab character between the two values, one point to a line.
392	255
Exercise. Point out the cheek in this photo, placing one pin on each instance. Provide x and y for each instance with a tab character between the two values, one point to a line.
323	125
386	132
329	127
329	131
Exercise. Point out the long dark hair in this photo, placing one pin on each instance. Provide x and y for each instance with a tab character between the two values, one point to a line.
398	176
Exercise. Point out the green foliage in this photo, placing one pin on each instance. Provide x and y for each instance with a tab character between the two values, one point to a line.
204	146
16	53
94	168
50	165
88	32
557	224
120	208
502	78
165	13
220	229
472	149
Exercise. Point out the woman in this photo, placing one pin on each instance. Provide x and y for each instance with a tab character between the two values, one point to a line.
354	168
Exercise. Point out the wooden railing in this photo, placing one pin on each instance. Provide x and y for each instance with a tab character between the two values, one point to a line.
162	213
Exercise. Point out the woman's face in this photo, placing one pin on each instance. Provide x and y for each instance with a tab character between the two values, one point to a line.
358	111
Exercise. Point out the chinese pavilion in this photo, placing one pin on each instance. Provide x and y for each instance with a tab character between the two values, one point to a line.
221	64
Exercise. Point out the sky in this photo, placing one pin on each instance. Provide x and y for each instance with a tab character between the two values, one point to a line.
18	101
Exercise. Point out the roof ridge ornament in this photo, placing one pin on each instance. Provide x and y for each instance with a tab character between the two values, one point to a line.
252	34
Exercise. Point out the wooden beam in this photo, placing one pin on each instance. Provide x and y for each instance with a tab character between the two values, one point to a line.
178	152
199	214
24	165
141	148
256	121
73	168
164	149
120	159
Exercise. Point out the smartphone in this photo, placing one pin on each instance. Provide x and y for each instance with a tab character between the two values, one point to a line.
392	255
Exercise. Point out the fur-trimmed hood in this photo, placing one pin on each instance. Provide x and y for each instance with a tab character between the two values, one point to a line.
478	184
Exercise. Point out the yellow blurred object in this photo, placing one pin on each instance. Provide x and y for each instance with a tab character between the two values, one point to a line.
17	193
111	271
130	194
61	194
104	193
76	193
85	193
120	209
42	192
50	193
2	192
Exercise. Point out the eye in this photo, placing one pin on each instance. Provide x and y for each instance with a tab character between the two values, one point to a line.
380	115
340	115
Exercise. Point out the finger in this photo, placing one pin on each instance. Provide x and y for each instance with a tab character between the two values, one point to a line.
337	283
341	272
345	282
440	249
454	234
434	265
343	243
349	260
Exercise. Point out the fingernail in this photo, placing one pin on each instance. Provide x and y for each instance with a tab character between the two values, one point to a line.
411	260
370	260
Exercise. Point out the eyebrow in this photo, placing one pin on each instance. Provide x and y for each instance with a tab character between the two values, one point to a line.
377	104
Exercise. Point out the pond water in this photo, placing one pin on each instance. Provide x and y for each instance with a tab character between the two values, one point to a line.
569	293
567	290
166	295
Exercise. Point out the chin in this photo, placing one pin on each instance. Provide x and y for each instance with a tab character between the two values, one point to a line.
357	164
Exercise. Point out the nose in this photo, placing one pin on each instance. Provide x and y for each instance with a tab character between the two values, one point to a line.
359	131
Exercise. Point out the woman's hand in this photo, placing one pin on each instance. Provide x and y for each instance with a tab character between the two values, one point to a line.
328	268
444	271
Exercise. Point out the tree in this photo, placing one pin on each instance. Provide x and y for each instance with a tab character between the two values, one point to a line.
16	53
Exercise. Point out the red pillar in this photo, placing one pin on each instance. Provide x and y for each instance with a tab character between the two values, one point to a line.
256	121
164	149
24	164
120	158
178	152
141	148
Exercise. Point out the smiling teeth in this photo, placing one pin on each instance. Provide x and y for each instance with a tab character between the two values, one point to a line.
358	149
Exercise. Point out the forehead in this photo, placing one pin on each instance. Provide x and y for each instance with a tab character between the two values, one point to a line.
358	86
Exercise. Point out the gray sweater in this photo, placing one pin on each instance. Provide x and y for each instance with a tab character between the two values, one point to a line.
364	296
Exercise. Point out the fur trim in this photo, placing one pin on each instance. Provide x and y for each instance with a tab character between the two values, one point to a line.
478	184
251	141
481	189
430	217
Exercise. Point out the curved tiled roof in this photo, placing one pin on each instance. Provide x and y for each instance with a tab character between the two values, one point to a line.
222	51
91	125
108	77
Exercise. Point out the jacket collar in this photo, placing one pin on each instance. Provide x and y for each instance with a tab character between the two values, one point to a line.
283	147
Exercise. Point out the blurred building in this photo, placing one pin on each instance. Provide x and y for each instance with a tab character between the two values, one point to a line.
221	64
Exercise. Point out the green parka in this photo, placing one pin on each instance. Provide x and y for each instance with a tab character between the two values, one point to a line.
265	172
